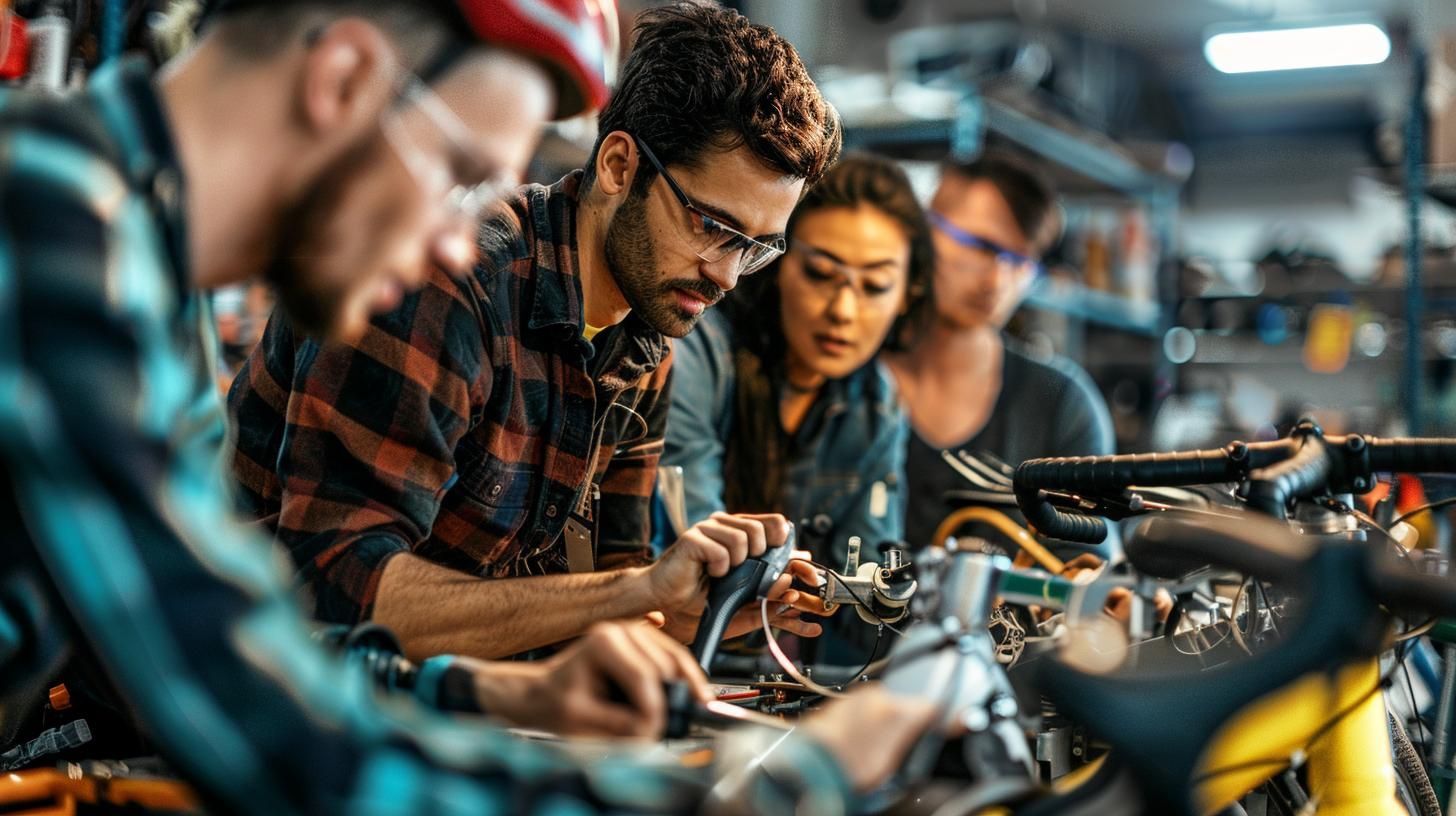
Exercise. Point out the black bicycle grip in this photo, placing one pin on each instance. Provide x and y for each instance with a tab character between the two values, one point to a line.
1104	474
1099	474
1050	521
1302	474
1412	455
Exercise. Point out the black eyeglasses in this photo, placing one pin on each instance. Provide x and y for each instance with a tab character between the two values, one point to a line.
711	239
1013	259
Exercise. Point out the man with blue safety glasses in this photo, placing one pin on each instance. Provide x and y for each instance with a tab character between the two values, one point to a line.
967	385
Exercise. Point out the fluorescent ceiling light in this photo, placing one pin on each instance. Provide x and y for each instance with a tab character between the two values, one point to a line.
1284	49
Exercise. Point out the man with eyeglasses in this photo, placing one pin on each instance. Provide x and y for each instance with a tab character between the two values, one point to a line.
336	144
475	472
966	385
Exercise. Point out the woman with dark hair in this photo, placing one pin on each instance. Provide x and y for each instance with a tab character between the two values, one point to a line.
779	400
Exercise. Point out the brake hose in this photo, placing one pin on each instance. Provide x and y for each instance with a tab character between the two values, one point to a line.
1004	525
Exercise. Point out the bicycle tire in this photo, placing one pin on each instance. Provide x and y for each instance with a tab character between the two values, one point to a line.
1412	783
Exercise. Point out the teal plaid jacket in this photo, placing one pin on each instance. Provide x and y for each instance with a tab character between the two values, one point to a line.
119	544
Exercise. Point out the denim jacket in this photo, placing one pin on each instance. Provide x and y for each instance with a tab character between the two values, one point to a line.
850	446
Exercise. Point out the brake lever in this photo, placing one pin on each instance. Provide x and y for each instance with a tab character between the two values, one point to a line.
1116	508
748	581
743	584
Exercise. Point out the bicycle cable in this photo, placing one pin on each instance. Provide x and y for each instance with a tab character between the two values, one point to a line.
1435	505
1410	688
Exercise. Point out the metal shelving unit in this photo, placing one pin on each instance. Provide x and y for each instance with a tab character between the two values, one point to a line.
1420	184
1415	181
1418	300
1095	306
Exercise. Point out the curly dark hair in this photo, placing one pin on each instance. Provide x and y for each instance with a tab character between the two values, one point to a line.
701	77
753	467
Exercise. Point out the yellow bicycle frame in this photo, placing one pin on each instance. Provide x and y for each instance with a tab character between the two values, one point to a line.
1349	766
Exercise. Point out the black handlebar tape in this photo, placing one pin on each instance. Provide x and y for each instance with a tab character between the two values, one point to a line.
1050	521
1413	455
1103	474
1096	474
1302	474
1172	544
1401	588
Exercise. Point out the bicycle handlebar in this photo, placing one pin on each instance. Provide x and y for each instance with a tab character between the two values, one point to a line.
1306	471
1275	472
1412	455
1103	474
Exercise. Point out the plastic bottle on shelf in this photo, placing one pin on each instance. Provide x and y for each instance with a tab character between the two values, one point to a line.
50	48
1138	260
1097	257
14	44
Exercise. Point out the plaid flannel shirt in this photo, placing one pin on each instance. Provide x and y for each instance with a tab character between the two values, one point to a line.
466	426
119	543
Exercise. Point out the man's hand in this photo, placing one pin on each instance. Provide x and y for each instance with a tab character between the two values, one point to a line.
1119	600
678	582
607	684
870	731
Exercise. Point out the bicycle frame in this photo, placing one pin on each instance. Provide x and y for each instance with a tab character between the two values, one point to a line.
1263	739
1346	776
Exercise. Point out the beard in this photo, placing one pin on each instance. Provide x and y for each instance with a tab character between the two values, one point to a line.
632	258
313	302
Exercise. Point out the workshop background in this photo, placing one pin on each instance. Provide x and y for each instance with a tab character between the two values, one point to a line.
1241	247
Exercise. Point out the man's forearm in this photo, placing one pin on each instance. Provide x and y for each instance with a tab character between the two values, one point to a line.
438	610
